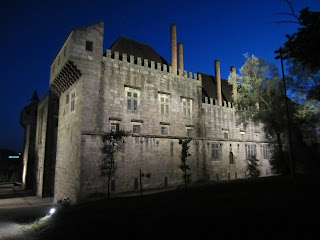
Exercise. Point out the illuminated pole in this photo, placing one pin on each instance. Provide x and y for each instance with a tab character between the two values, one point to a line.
287	110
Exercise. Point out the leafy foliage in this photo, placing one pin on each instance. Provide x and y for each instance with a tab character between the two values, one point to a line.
260	98
253	167
113	142
302	48
184	155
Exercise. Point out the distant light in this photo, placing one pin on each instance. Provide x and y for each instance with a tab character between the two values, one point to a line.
13	156
19	154
52	211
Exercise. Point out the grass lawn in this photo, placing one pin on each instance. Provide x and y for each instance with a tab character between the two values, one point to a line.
261	208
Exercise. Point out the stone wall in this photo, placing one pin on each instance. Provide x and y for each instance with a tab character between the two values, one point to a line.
98	98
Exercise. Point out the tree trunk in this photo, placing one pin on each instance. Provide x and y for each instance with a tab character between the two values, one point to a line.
282	158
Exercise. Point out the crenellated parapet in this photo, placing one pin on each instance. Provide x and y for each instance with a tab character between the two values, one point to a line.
214	102
148	64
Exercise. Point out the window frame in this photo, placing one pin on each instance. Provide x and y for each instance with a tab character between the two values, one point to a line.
73	100
132	98
89	46
165	105
164	127
215	151
186	107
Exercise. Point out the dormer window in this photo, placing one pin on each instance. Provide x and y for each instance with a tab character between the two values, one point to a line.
89	46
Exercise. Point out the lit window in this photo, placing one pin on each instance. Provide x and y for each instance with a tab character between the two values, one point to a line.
136	129
89	46
164	130
187	106
215	151
114	127
132	99
165	103
73	96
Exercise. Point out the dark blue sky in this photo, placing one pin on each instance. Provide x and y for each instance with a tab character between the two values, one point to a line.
32	32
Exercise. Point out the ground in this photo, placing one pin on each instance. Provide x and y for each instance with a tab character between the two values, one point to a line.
263	208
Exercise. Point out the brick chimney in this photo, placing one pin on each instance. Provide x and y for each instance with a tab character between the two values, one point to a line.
234	85
218	80
173	36
180	57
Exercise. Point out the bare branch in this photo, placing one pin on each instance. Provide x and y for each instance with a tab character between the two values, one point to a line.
292	11
280	22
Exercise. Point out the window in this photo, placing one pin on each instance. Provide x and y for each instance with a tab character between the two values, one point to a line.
164	103
215	151
132	99
189	131
164	130
114	127
225	134
67	98
165	181
73	96
242	133
89	46
187	104
231	160
171	149
250	151
265	149
136	129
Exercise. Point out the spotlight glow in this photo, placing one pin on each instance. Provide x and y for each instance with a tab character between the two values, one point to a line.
52	211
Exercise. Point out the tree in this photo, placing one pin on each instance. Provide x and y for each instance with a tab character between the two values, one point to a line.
253	167
184	154
113	142
260	99
302	50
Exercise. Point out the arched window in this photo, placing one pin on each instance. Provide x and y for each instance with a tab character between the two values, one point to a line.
231	158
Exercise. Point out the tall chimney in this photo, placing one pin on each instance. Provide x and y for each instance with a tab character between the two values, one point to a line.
180	57
218	79
234	85
173	35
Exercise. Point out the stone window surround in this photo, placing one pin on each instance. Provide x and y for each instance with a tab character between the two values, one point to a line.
89	46
73	99
165	104
186	107
132	90
163	126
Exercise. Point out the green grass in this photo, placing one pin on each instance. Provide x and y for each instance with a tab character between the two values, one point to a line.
261	208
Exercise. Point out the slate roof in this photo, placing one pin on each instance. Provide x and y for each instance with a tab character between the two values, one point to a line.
209	88
137	49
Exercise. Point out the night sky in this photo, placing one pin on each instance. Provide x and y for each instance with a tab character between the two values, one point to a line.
32	33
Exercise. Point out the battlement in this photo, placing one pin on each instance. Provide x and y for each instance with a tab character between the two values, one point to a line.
214	102
148	64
